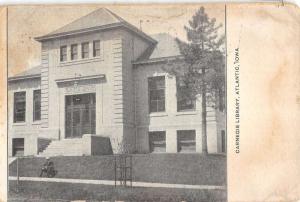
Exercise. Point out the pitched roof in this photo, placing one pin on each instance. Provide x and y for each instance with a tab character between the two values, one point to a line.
96	18
34	72
166	47
99	19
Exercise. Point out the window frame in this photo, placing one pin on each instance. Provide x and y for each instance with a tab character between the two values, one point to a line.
83	52
15	106
14	148
182	133
151	148
74	53
62	54
95	49
223	141
180	107
156	91
34	106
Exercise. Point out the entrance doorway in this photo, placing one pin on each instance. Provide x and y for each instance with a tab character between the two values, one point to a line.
80	115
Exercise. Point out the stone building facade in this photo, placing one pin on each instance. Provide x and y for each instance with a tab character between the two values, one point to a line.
102	78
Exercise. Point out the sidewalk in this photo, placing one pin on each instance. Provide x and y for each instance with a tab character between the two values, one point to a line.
112	183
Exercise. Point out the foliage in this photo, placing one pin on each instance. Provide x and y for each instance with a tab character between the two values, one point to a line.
202	66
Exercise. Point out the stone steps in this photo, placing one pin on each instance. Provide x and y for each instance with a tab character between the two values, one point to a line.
65	147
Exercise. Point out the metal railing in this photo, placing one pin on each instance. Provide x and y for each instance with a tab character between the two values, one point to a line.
123	169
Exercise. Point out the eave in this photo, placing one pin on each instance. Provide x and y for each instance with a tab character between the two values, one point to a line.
81	78
157	60
18	78
99	28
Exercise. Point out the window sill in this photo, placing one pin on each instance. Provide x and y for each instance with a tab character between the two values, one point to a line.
180	113
19	124
80	61
36	122
158	114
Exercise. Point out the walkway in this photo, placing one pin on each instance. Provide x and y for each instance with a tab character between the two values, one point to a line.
112	183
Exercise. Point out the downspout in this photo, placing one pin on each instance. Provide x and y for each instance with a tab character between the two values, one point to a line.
134	91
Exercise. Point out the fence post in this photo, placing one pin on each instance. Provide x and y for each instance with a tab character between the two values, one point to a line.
115	171
131	170
125	170
18	174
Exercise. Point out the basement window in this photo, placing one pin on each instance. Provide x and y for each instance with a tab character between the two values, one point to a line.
186	141
18	146
157	141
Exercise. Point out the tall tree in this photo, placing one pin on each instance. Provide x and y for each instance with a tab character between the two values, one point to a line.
201	68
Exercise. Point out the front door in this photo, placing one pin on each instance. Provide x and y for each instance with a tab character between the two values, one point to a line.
80	115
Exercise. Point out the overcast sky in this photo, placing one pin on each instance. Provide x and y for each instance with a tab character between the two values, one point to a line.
27	22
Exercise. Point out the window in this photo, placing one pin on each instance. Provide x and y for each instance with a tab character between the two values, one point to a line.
184	102
186	140
36	105
221	101
18	147
157	141
223	137
19	106
85	50
74	52
63	53
156	86
96	48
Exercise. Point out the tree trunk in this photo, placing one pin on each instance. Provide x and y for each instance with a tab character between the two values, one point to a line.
204	124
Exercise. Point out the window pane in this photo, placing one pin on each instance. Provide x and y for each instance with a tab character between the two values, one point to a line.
74	52
19	106
96	48
156	94
183	101
63	53
186	141
157	141
153	106
36	105
161	105
85	50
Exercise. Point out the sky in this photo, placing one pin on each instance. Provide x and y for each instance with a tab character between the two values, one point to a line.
27	22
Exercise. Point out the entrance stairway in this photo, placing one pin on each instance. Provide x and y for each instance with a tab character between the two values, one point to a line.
65	147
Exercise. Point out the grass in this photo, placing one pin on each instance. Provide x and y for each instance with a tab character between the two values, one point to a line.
163	168
50	191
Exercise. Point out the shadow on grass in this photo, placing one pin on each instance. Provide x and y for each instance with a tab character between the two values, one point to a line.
49	191
164	168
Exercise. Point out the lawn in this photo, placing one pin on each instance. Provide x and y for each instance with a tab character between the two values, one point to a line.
164	168
49	191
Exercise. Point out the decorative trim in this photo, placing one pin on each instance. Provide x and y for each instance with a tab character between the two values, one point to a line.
99	76
81	61
17	78
98	28
156	60
158	114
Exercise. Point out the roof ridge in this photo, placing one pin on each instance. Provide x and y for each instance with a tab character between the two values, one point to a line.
114	15
78	19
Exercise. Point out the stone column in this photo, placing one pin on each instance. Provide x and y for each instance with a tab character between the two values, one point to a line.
171	141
